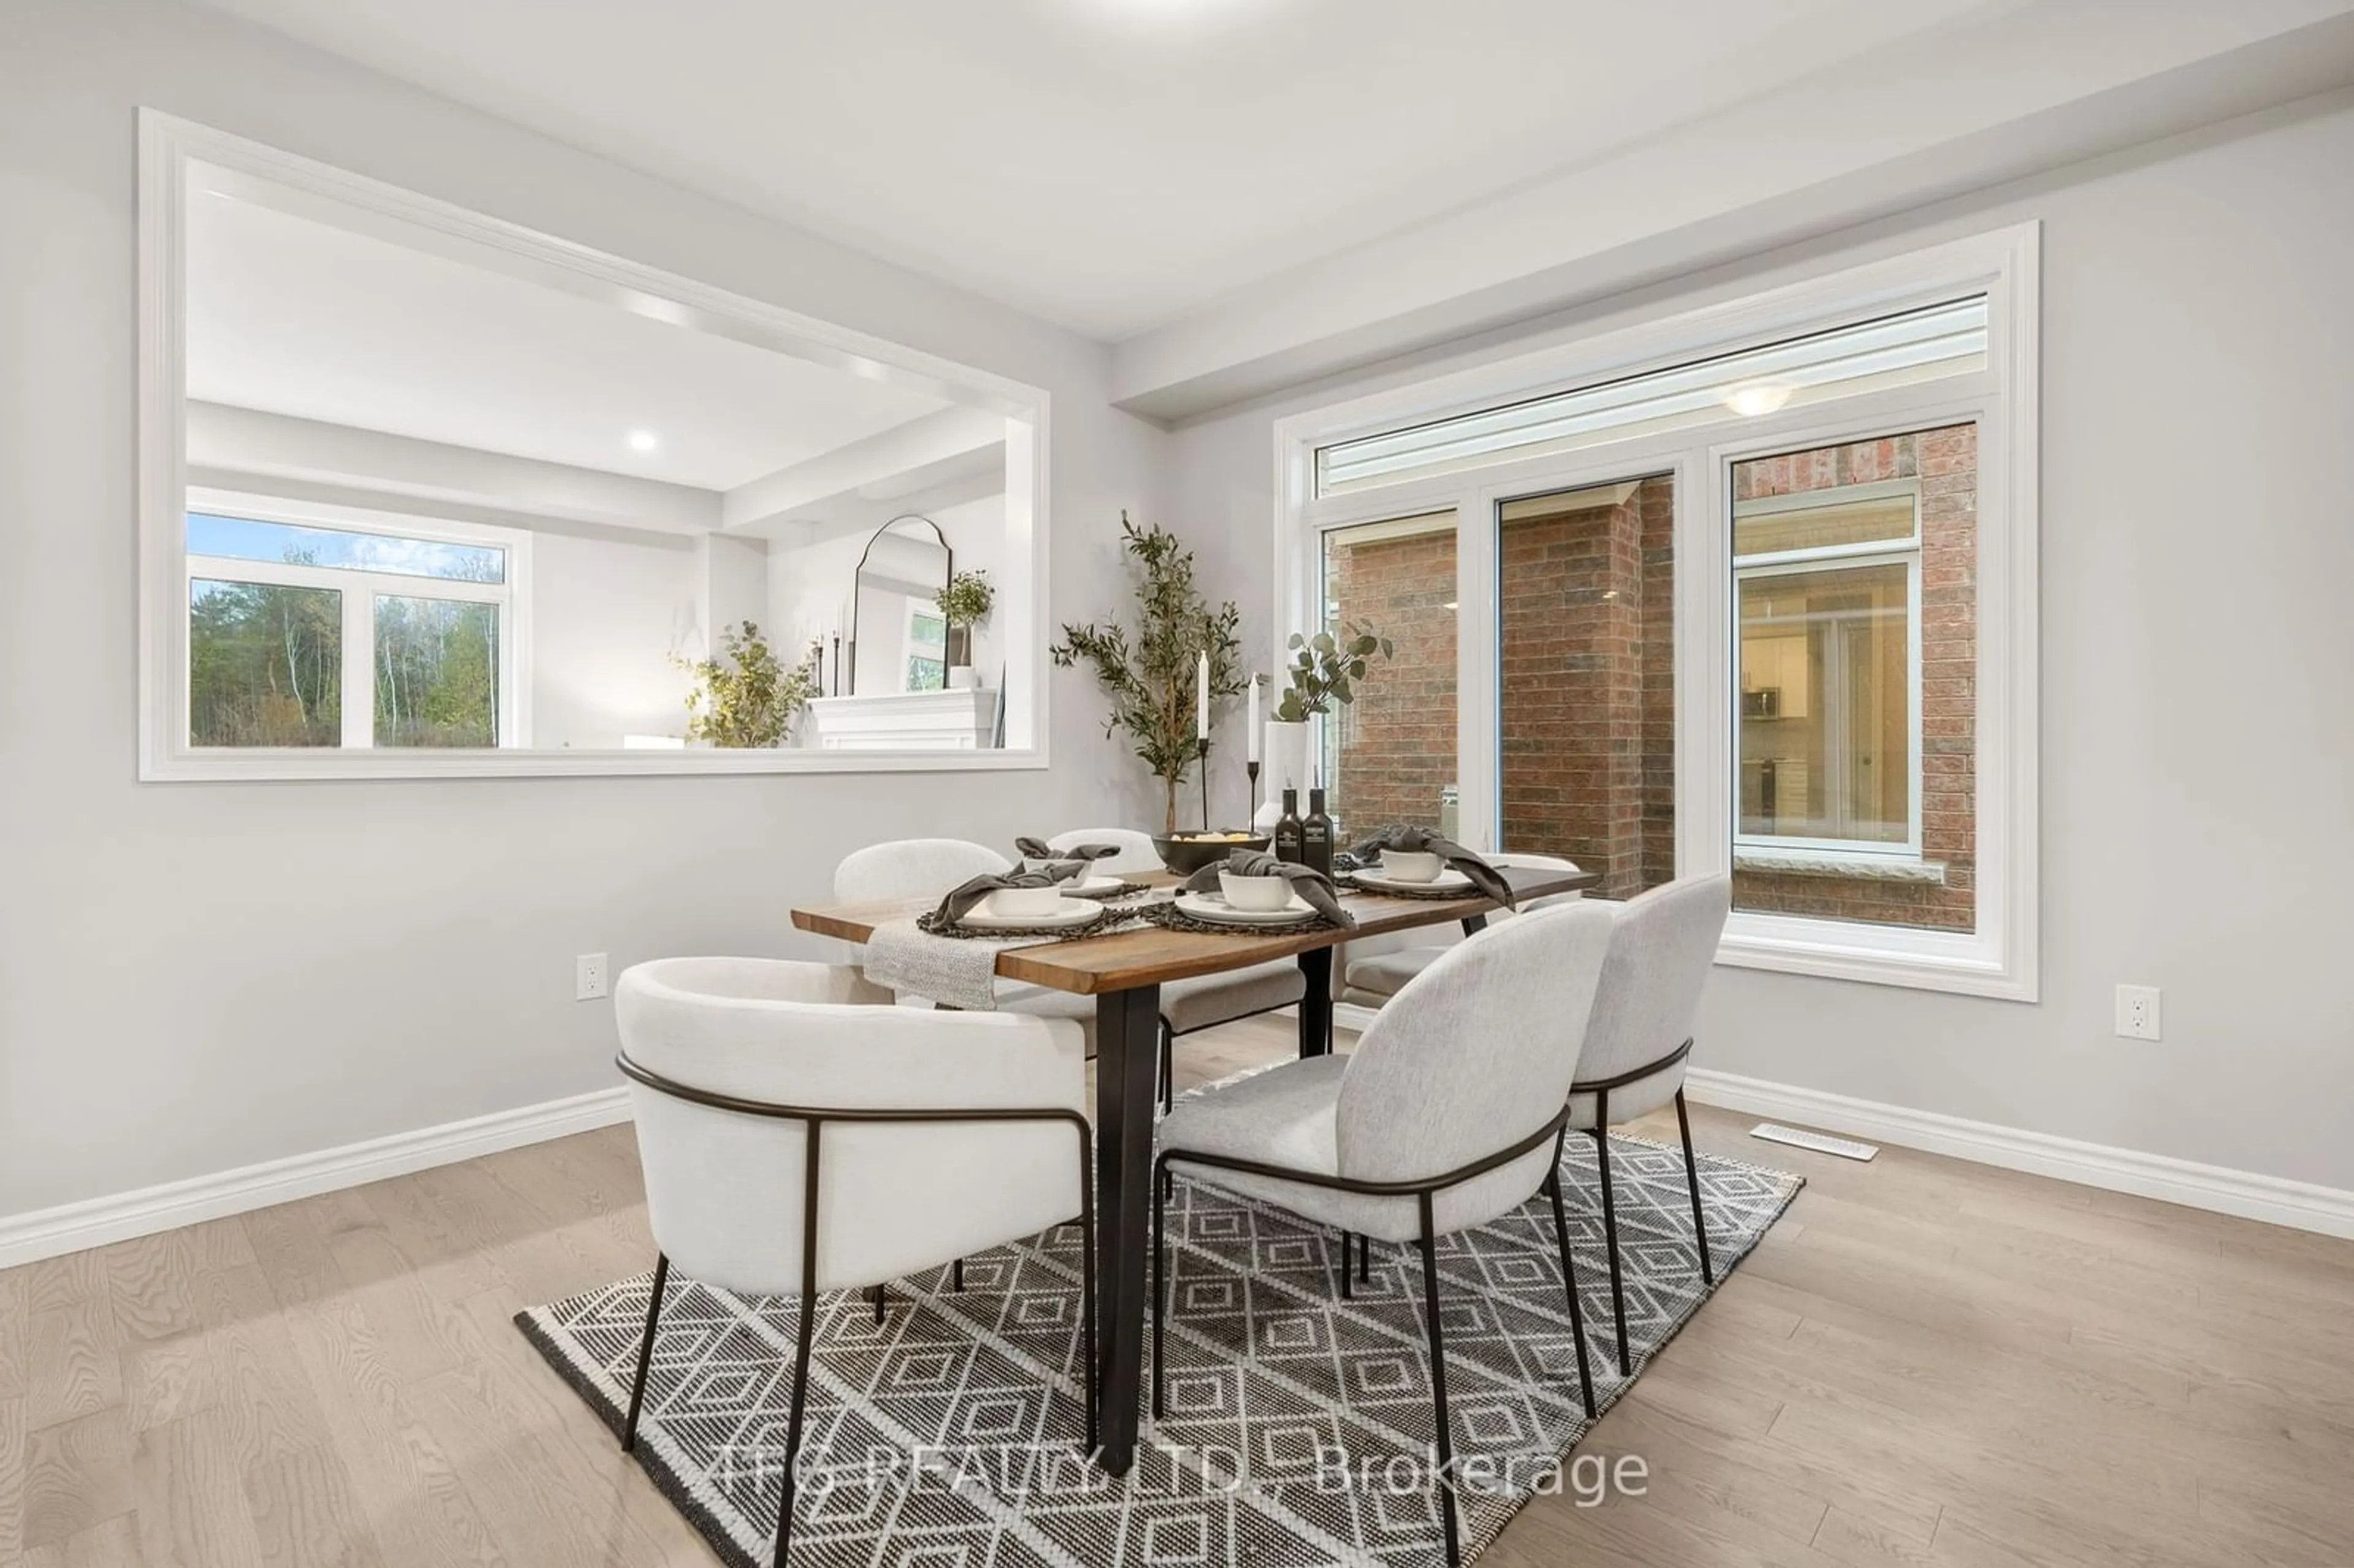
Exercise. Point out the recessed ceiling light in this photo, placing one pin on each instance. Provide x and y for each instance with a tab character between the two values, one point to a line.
1751	401
643	440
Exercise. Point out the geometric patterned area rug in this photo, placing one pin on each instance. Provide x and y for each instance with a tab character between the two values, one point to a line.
1299	1429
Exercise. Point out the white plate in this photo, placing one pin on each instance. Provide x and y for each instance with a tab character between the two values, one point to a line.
1076	913
1449	880
1214	907
1094	886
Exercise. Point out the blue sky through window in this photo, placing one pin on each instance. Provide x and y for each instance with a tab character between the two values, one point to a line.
246	540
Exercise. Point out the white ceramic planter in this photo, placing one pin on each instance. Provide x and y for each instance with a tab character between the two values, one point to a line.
1283	763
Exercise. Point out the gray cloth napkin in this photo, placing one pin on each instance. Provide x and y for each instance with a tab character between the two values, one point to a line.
961	900
1422	840
1039	849
1306	881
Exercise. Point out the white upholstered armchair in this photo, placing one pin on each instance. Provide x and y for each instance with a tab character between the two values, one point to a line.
1451	1111
800	1136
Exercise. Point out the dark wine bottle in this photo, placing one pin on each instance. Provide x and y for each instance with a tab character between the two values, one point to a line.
1288	828
1316	835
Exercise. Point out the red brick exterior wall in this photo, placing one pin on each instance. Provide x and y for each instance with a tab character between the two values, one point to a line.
1589	696
1945	461
1588	681
1394	746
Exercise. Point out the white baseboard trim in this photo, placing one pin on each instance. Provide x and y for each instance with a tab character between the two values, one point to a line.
2276	1200
70	1227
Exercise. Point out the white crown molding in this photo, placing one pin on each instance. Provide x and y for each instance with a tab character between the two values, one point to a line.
71	1227
2274	1200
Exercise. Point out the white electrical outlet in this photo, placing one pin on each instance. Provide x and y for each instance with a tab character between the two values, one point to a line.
2138	1011
588	977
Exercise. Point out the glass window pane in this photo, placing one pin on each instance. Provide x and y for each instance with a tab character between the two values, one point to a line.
1766	528
265	665
1893	351
437	672
246	540
1389	755
1586	731
1838	689
1826	712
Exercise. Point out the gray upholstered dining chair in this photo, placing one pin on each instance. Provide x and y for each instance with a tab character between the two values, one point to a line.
1203	1002
799	1135
1451	1111
1638	1043
1369	970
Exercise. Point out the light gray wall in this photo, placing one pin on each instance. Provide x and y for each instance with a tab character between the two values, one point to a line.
2197	744
195	977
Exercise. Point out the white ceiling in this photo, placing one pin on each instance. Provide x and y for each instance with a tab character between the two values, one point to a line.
1243	194
1106	164
289	316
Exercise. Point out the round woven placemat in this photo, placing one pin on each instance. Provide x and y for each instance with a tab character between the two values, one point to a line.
930	923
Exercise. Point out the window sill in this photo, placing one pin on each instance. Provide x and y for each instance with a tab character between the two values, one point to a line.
1968	963
262	766
1831	862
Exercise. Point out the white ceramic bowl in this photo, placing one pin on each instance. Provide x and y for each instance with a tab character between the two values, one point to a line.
1412	865
1024	903
1255	893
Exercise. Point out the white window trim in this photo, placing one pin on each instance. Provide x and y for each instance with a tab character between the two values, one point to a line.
168	144
359	588
2000	958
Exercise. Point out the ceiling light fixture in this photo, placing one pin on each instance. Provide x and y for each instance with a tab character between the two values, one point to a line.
1751	401
643	440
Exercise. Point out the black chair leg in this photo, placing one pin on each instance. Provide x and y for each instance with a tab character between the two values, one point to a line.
806	1331
1692	1179
1610	1230
881	1298
1160	1285
1348	1265
793	1424
1438	1387
1569	1278
645	1354
1365	1260
956	1277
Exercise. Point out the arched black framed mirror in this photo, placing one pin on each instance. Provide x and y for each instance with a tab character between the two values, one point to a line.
898	639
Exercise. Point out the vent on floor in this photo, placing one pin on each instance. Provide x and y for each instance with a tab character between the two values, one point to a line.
1820	1142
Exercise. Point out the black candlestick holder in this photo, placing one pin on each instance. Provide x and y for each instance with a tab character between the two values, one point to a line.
1202	764
1251	767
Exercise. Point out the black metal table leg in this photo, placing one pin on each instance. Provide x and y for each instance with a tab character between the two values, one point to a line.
1474	923
1127	1046
1316	1004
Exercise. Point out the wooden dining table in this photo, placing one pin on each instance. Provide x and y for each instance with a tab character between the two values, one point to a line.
1124	972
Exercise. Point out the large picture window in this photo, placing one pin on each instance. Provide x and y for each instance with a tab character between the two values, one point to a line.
1747	590
305	635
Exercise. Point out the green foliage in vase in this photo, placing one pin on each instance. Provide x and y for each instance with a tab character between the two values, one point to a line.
1149	674
966	601
1325	669
746	698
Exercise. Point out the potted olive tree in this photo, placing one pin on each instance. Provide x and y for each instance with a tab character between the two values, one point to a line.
1152	674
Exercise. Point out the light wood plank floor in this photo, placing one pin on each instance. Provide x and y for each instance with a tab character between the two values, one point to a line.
1925	1362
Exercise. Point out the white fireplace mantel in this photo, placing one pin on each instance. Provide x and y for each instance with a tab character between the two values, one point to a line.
963	720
